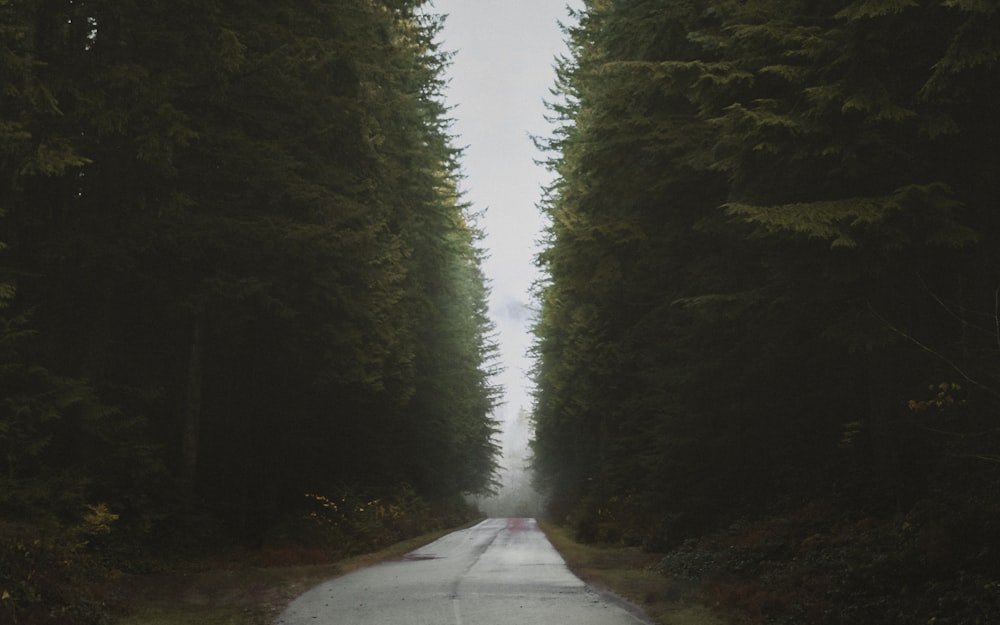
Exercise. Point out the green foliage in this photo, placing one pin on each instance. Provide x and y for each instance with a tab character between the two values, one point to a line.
769	219
243	271
820	563
930	212
354	523
874	8
47	577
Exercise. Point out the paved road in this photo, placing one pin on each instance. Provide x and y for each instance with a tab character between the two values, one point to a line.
500	572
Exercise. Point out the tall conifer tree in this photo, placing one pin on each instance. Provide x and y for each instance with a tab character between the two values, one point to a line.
759	208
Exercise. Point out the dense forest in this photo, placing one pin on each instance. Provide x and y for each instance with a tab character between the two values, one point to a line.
772	286
237	284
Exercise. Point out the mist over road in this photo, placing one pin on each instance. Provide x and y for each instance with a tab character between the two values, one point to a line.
499	572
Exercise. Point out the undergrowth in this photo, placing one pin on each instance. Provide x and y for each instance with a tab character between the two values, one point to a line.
86	571
817	565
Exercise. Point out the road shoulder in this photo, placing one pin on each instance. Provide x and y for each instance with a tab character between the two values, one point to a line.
631	577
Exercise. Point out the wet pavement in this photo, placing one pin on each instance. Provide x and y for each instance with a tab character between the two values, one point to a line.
499	572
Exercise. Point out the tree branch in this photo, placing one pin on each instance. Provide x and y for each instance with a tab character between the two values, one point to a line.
995	459
965	376
961	318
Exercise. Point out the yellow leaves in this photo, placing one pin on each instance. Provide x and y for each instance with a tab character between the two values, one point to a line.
946	395
325	502
98	520
346	511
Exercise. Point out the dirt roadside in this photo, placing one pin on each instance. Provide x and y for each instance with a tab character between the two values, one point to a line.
630	573
241	590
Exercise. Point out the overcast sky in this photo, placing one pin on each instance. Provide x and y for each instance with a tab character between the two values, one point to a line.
499	80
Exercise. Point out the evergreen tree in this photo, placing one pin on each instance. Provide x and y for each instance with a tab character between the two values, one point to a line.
763	228
238	223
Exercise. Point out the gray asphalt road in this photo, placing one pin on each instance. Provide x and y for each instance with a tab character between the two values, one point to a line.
500	572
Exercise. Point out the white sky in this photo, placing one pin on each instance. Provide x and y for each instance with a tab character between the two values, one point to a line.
499	80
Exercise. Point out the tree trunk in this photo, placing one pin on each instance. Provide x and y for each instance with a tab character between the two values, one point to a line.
191	409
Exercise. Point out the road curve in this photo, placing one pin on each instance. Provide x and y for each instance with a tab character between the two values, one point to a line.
499	572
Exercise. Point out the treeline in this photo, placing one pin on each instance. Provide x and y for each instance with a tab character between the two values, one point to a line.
772	265
236	270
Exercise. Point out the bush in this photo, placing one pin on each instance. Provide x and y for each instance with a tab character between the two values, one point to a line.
356	520
48	576
824	565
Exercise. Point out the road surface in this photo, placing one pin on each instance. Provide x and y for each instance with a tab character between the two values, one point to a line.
499	572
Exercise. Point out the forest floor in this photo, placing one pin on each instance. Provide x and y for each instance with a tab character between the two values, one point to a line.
253	587
814	564
634	575
239	588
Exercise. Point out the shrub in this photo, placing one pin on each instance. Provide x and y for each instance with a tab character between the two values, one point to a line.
47	574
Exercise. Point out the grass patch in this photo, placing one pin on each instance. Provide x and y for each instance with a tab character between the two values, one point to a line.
247	588
634	575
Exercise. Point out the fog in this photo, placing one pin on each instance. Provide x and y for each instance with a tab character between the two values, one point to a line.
499	79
